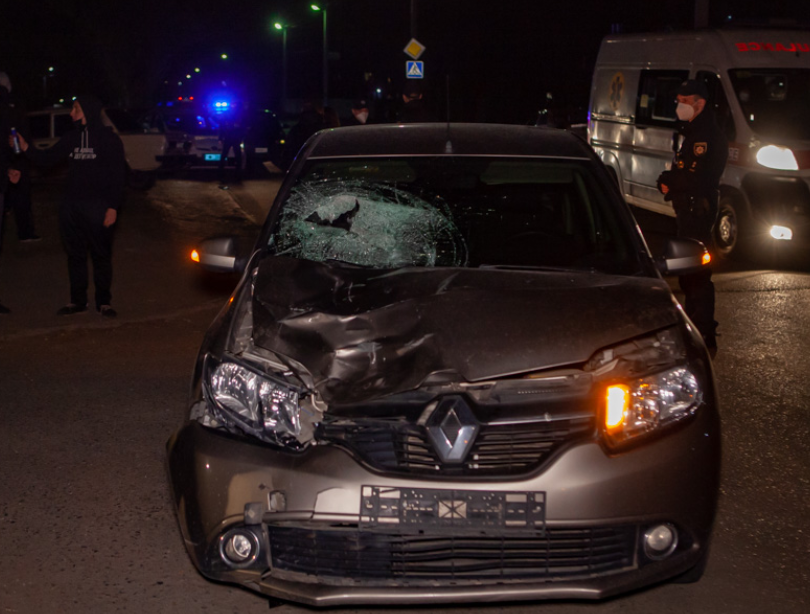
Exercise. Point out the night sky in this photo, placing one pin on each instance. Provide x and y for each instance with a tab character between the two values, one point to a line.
497	59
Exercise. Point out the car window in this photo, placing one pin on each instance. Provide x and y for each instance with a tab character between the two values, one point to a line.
123	121
656	97
454	211
62	123
774	101
39	126
191	123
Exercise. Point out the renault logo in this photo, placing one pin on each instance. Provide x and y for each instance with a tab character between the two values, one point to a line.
452	429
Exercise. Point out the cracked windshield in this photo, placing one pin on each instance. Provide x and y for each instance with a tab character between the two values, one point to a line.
452	211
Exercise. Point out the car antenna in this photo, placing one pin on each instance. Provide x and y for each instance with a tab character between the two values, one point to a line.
448	146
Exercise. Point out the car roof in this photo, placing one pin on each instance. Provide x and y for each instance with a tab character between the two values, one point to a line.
446	139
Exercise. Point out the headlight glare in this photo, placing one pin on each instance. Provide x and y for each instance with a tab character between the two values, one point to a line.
255	401
648	403
779	158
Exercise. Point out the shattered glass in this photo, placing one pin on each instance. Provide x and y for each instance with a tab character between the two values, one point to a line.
367	225
453	211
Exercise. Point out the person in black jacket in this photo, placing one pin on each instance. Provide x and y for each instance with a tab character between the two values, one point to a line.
414	108
96	184
692	185
5	154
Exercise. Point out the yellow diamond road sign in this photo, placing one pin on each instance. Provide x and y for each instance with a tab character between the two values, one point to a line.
414	49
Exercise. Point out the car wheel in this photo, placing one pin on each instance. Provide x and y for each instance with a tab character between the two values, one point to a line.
729	229
695	573
142	180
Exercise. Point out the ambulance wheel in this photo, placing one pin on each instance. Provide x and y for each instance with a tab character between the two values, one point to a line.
729	230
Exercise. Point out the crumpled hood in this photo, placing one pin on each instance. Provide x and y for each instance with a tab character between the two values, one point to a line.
362	334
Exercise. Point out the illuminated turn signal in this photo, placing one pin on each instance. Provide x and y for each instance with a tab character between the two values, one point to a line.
707	258
195	255
618	398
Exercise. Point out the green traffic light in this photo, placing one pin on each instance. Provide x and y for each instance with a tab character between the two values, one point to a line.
314	7
278	26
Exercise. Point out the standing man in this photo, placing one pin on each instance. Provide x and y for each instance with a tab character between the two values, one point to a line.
692	185
5	153
360	113
18	190
414	108
231	135
96	184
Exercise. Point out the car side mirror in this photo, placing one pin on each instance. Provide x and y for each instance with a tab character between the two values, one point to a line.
221	255
683	257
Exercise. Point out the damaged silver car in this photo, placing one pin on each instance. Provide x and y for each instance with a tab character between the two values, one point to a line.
451	371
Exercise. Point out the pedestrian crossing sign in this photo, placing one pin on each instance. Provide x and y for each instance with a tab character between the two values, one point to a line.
415	70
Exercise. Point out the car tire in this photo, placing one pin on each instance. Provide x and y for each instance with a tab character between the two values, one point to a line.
694	573
142	180
730	229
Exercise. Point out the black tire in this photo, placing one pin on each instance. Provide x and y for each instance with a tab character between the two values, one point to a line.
730	229
142	180
695	573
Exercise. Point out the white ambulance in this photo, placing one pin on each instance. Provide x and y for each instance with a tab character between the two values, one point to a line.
759	85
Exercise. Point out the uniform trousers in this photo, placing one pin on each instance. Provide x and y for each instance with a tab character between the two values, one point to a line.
695	220
83	232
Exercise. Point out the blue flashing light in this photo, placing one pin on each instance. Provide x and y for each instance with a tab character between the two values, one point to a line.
221	104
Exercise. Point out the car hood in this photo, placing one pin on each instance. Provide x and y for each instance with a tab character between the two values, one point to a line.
363	334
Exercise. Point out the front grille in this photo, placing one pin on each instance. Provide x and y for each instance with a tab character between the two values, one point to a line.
347	554
499	450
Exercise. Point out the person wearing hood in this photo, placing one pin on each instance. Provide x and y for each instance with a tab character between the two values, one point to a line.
692	185
96	184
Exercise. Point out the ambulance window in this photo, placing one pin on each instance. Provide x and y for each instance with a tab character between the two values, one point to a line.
656	97
719	102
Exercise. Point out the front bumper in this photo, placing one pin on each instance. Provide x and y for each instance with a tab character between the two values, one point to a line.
316	550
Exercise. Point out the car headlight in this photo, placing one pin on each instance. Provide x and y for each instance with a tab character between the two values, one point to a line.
779	158
255	403
646	404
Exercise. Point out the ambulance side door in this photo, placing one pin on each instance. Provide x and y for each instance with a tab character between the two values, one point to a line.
656	137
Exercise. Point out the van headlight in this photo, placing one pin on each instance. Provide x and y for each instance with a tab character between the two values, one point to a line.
253	402
779	158
641	406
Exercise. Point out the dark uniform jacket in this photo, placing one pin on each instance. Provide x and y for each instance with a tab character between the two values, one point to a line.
5	150
694	179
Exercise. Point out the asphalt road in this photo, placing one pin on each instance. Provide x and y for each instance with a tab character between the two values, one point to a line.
86	406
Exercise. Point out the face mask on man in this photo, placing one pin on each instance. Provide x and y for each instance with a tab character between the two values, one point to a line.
685	112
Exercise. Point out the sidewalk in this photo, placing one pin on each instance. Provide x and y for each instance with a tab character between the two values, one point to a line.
153	275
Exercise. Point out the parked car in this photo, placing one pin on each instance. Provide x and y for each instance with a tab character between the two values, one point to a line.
451	372
192	135
144	143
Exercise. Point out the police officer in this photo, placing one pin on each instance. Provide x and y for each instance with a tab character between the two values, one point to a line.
692	186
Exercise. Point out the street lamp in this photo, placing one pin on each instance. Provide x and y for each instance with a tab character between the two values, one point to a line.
322	9
283	28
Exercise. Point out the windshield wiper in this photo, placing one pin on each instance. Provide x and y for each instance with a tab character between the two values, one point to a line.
523	267
346	263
